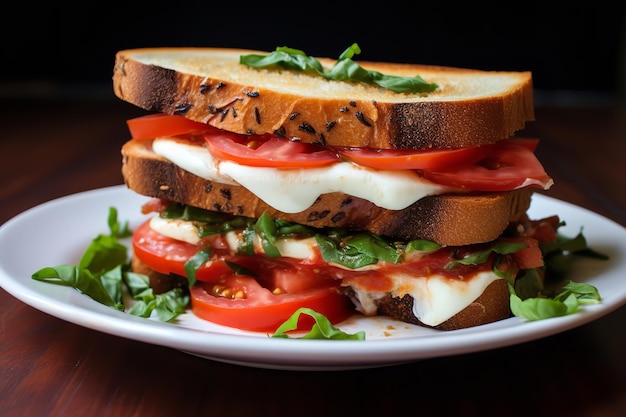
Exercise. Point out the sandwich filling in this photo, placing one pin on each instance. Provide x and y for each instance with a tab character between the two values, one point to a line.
438	294
295	190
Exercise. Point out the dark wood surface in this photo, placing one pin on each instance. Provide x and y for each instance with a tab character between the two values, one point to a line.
49	367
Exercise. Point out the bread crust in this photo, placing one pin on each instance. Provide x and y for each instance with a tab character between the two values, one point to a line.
447	219
469	108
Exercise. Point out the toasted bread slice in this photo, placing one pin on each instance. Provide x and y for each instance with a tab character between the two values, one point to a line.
209	85
447	219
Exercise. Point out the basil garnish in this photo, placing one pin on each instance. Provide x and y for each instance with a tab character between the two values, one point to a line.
345	69
104	270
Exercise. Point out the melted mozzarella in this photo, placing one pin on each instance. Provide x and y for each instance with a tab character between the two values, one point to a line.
295	190
185	231
436	298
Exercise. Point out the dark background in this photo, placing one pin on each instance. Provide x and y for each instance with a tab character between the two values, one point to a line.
54	49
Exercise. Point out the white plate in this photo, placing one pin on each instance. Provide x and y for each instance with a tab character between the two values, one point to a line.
57	232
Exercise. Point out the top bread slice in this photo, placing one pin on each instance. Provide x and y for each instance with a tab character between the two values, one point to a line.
469	107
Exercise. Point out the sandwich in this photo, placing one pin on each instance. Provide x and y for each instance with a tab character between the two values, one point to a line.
279	181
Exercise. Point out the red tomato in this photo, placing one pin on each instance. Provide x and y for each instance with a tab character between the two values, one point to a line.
529	257
161	253
509	166
155	125
278	288
404	159
262	151
259	309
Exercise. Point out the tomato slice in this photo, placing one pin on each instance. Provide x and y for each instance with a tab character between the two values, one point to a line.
260	310
279	286
269	151
405	159
156	125
159	252
509	166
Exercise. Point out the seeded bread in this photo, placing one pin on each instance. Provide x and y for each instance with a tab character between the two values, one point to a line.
209	85
446	219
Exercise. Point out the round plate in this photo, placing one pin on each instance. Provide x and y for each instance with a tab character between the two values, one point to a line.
58	232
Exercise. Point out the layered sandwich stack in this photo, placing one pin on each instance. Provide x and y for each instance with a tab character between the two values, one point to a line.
282	181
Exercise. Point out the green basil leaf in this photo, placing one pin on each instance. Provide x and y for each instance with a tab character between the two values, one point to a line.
194	263
266	230
374	246
345	69
347	256
246	246
103	254
112	281
171	304
537	308
80	279
584	293
528	284
421	245
136	283
479	257
119	230
322	329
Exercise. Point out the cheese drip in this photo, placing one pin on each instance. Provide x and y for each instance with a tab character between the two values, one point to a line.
295	190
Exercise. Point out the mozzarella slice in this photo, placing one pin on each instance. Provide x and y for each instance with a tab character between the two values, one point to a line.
295	190
435	298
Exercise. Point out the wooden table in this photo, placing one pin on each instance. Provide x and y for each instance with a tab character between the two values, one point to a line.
49	367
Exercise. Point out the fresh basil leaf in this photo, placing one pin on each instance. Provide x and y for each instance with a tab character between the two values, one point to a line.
286	229
194	263
537	308
584	293
322	329
345	69
246	245
421	245
528	284
374	246
118	230
136	283
171	304
80	279
567	301
479	257
165	306
112	281
101	275
348	256
103	254
266	230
